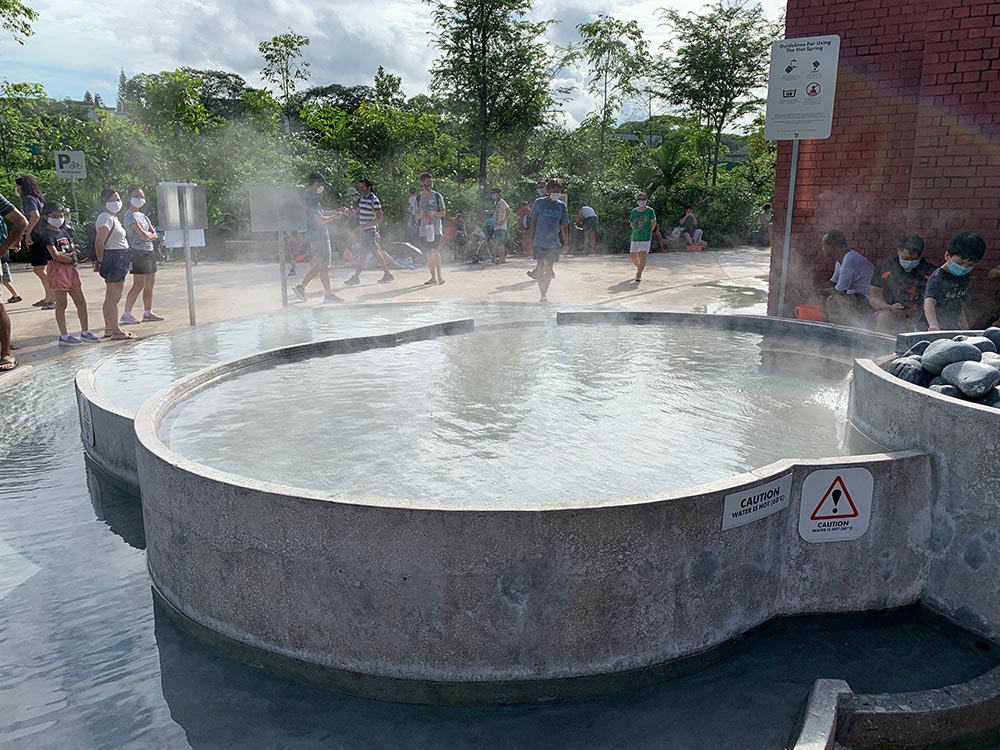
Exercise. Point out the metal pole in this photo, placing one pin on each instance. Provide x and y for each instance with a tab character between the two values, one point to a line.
284	276
76	210
788	228
185	220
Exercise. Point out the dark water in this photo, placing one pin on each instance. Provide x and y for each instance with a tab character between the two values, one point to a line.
86	661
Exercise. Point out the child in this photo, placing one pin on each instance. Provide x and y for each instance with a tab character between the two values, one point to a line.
947	288
61	273
897	288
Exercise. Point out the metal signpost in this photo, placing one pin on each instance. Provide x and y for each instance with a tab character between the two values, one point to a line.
72	166
281	210
182	210
800	96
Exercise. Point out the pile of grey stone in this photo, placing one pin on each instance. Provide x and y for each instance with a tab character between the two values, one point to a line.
964	367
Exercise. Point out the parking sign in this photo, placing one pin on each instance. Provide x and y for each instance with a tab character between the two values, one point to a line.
71	165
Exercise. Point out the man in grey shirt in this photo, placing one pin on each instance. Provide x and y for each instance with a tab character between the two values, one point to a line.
549	231
846	302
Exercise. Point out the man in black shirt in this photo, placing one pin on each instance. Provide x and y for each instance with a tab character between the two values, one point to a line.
897	289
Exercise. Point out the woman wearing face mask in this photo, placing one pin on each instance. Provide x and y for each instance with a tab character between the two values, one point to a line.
64	281
643	222
32	201
111	248
139	231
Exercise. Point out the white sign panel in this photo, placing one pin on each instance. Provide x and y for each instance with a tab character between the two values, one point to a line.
801	88
71	165
836	505
746	506
175	237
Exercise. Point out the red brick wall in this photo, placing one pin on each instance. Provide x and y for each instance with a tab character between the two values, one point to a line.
915	144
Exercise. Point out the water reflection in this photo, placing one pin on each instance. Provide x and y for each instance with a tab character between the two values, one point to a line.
116	505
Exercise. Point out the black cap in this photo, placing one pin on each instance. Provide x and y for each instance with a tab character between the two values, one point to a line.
317	177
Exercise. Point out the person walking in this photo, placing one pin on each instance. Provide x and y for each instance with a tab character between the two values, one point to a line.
501	219
369	218
111	252
430	210
642	219
64	281
140	235
18	225
319	239
32	201
549	231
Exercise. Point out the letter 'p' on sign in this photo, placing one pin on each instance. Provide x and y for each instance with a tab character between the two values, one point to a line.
71	165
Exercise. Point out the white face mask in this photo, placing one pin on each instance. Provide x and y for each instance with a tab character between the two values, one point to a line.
138	202
553	196
113	206
642	204
320	189
55	223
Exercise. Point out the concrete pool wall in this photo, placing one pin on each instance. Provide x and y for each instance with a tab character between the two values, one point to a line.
447	601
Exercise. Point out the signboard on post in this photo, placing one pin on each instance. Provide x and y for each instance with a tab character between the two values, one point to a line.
801	88
71	165
182	208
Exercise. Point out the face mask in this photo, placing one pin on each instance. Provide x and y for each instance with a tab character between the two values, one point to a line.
113	206
320	189
493	196
55	223
138	202
17	192
957	270
553	197
540	191
909	265
642	204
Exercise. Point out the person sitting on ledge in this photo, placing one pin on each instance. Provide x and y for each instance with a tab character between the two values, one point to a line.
897	288
846	302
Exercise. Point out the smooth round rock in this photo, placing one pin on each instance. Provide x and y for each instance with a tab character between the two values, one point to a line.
944	352
917	348
910	370
982	343
946	390
992	399
974	379
991	359
959	337
993	334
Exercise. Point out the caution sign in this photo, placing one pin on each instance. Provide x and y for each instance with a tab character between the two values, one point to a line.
836	505
746	506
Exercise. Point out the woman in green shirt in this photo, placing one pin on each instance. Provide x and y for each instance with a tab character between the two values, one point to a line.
643	221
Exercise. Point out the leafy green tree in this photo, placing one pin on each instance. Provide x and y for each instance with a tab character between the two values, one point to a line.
284	65
88	98
493	68
388	88
347	98
671	161
615	51
16	19
717	62
98	101
122	88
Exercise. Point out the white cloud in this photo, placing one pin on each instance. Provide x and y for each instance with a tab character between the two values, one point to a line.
79	46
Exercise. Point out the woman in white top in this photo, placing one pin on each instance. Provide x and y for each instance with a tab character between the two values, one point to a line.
139	230
111	247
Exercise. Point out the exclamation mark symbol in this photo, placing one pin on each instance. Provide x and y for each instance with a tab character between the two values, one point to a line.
836	499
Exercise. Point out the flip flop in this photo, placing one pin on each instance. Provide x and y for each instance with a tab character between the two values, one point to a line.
7	364
124	336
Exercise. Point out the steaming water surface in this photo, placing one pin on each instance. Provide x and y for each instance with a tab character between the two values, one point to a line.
536	413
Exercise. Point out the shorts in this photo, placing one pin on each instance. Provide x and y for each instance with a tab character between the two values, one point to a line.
639	247
62	277
5	267
550	254
143	261
114	267
38	255
500	235
429	244
322	254
590	224
369	239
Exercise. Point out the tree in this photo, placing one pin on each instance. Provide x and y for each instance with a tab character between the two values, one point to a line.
98	101
88	98
670	162
16	18
493	69
388	89
122	89
284	66
720	61
615	51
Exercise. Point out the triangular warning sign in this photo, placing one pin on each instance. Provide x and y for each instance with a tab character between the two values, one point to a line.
833	504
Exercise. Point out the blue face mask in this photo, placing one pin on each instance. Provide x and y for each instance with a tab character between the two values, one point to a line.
909	265
493	196
956	270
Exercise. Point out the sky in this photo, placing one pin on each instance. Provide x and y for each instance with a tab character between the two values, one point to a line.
81	45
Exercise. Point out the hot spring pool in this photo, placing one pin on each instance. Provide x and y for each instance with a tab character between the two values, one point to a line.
530	413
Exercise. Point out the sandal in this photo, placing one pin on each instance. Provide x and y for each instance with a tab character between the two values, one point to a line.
7	364
13	299
123	336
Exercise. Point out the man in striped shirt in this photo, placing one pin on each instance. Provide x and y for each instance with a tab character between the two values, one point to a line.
369	217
